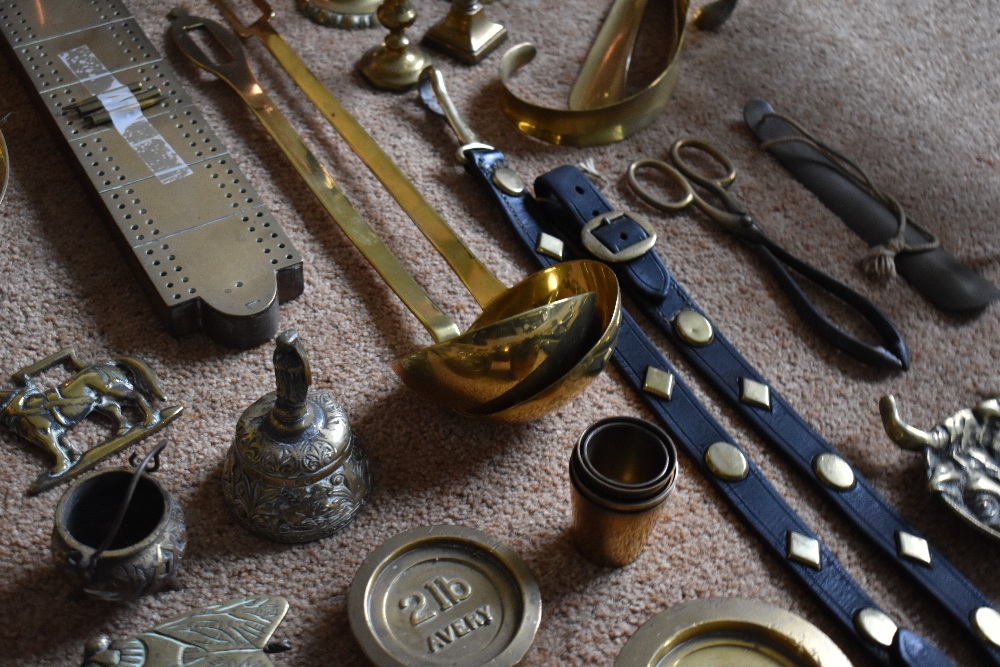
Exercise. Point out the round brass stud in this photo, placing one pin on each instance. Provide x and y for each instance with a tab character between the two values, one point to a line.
693	328
509	182
834	471
876	626
986	621
727	462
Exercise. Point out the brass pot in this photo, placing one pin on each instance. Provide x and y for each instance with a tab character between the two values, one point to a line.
146	550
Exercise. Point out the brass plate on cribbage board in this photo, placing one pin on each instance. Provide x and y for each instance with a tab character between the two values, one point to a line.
212	255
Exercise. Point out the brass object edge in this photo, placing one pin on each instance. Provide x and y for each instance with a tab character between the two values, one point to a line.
752	624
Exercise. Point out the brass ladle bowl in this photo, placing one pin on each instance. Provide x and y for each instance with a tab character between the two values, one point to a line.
534	347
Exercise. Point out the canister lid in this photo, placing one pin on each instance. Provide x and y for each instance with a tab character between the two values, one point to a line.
444	595
729	631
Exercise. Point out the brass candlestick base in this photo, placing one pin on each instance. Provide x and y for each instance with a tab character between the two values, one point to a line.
465	33
347	14
396	64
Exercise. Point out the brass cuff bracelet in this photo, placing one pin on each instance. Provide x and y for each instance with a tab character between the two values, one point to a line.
593	125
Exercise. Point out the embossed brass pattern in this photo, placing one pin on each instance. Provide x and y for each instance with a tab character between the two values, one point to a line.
466	34
347	14
913	547
444	595
606	123
803	549
397	62
834	471
621	472
114	390
876	626
693	328
960	453
236	631
658	382
755	393
986	621
734	632
727	462
295	472
534	348
141	557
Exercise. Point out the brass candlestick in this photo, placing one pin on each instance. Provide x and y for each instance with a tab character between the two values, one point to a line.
347	14
466	34
396	64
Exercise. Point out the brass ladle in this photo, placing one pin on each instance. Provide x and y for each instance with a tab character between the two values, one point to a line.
534	347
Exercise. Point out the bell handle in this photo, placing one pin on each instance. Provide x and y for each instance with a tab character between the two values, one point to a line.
292	375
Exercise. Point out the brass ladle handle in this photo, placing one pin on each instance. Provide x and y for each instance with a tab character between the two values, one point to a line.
236	72
480	282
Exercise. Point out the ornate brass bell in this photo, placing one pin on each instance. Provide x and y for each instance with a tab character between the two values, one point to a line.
295	471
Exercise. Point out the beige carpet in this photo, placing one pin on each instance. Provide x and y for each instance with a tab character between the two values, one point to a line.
908	87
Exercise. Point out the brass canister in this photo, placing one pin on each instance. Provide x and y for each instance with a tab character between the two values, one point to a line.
621	471
121	543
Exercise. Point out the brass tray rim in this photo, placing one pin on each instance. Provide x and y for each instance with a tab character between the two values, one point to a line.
694	619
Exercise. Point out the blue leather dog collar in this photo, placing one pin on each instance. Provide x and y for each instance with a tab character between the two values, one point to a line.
568	196
694	429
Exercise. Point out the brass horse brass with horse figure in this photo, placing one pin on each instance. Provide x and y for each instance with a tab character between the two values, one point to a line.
122	390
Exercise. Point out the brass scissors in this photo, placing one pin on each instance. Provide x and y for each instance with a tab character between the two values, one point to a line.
734	218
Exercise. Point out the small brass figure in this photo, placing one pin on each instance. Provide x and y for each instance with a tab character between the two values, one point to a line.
395	64
466	34
234	633
120	533
122	390
295	471
963	459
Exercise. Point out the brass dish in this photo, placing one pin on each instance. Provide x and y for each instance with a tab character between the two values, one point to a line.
729	631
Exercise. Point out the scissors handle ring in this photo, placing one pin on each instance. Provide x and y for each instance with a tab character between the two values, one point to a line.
685	167
674	175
